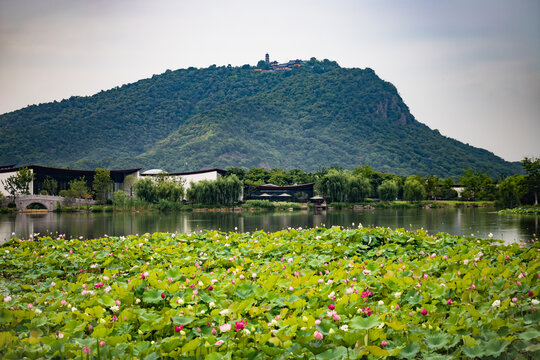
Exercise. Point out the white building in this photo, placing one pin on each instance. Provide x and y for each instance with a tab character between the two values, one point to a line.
186	178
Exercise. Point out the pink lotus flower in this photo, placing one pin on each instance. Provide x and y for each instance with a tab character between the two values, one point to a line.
514	299
102	343
219	342
366	293
87	350
531	294
214	331
424	311
225	327
397	306
238	326
383	343
318	335
317	322
30	305
163	295
118	302
473	286
331	307
449	302
331	313
367	311
178	328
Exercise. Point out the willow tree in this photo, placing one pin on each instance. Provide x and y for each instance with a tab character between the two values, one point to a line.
333	186
413	190
222	191
388	190
358	189
170	190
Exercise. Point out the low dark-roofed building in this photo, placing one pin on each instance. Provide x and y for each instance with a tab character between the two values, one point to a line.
64	176
297	193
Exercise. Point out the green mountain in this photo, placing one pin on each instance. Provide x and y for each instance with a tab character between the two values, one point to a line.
313	116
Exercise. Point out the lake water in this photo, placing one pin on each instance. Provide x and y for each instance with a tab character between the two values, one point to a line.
460	221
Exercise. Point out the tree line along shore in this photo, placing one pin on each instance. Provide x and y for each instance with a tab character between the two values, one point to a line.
339	188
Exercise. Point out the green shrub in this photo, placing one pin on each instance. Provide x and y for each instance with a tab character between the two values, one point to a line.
43	192
120	199
146	189
166	205
413	190
388	190
266	204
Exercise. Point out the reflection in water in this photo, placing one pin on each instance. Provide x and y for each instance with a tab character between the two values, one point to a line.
462	221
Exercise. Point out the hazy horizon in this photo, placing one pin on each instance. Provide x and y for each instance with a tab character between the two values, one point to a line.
470	70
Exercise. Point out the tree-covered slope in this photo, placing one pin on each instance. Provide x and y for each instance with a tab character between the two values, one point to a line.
315	116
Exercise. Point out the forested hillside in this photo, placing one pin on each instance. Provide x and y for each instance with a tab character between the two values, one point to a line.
314	116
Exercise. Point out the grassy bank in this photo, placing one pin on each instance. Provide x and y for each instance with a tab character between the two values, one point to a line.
324	293
407	204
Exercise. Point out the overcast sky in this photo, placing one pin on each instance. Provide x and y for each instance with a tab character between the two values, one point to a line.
470	69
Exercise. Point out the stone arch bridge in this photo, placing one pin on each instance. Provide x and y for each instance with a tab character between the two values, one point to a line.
49	202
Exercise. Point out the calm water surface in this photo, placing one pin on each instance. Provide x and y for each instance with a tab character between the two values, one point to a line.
463	221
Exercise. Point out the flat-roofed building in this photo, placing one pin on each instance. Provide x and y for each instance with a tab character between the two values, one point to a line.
187	177
62	177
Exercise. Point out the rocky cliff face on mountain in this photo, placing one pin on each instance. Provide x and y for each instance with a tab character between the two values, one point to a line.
315	115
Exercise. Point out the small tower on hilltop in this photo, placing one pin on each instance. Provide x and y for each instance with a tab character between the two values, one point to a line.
267	58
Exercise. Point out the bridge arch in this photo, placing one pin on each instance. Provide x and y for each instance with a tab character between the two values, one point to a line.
36	205
48	201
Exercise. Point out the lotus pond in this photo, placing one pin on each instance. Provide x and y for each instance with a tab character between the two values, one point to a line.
317	293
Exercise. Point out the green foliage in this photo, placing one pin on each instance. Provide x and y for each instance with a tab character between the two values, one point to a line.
238	171
312	116
532	178
388	190
333	186
50	185
43	192
77	189
120	198
102	184
170	190
223	191
522	210
358	188
145	189
342	186
389	291
446	190
271	205
413	190
128	184
478	185
511	191
19	183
